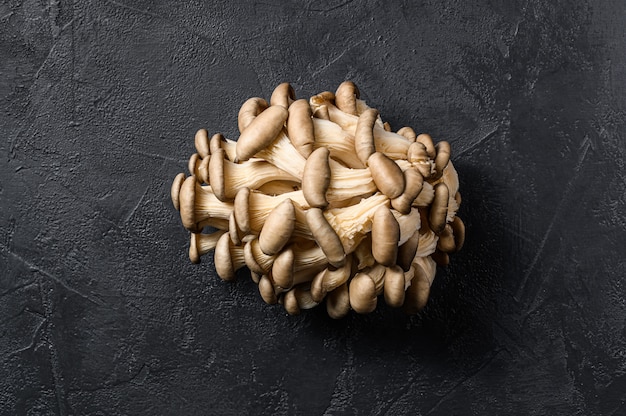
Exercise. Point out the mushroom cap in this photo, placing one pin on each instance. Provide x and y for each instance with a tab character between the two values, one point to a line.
439	208
233	231
408	133
442	158
177	183
283	95
266	289
193	164
326	237
386	174
442	259
203	170
250	259
413	184
290	302
316	178
446	241
216	142
283	268
427	141
364	135
187	201
317	288
278	228
223	259
385	236
346	96
300	127
201	142
458	229
336	276
241	209
321	112
338	302
251	108
261	132
394	286
194	255
406	252
216	175
363	297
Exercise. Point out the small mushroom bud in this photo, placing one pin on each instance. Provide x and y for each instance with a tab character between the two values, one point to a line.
290	302
240	210
303	296
203	170
175	190
201	244
261	132
255	259
427	141
387	126
283	95
217	142
385	236
193	164
300	127
364	135
326	237
278	228
338	302
418	158
233	231
284	268
362	291
407	251
336	276
227	258
416	295
317	288
321	113
442	158
408	132
316	178
446	240
394	286
346	96
413	184
249	111
201	142
266	289
439	208
386	174
458	229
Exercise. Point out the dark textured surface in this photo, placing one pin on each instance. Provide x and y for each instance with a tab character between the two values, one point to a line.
102	313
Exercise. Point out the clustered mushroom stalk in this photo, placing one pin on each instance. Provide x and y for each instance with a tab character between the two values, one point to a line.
323	203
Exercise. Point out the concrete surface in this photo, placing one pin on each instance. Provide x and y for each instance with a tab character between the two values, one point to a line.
102	313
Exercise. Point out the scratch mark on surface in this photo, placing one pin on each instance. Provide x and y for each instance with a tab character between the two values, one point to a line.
477	142
146	153
332	8
33	340
132	211
16	288
134	9
49	275
586	143
463	380
335	59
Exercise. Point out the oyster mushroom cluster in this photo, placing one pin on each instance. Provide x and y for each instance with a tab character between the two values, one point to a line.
323	203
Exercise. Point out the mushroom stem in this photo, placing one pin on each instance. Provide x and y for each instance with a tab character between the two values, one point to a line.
391	144
201	244
339	142
227	258
283	155
198	204
227	178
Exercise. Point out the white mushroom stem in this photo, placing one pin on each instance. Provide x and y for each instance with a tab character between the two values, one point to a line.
391	144
227	178
338	141
346	183
199	205
201	244
353	222
260	206
283	155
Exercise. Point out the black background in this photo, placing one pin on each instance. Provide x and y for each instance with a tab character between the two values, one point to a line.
102	313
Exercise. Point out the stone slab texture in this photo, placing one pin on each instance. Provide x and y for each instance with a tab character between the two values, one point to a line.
102	313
